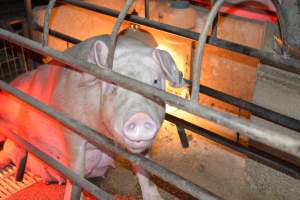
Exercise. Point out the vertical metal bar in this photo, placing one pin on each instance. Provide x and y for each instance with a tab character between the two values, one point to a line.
147	14
182	135
46	22
201	43
282	27
21	168
115	31
214	31
28	30
29	18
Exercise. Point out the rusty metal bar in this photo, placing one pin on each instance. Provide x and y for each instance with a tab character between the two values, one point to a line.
101	141
201	43
46	21
259	133
274	60
11	132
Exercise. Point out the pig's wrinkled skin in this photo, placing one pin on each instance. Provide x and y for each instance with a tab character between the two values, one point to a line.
128	118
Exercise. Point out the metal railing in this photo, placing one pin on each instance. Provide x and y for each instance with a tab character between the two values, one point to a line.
259	133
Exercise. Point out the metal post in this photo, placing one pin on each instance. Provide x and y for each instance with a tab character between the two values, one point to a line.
201	43
147	15
46	21
29	17
282	27
115	32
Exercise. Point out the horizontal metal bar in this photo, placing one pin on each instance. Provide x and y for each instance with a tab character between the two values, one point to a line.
11	132
101	141
256	110
259	133
272	59
260	156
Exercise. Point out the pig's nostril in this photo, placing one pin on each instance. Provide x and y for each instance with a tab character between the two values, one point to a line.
148	125
131	126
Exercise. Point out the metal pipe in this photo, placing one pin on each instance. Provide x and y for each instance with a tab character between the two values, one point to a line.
11	132
46	22
101	141
147	15
262	157
273	138
256	110
282	27
201	43
21	166
277	61
29	17
115	32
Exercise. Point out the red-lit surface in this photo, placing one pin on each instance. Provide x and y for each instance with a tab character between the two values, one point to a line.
247	9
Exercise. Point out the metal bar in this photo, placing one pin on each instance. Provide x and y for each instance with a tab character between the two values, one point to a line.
214	31
282	26
288	144
115	32
147	15
182	135
21	167
262	157
256	110
101	141
29	17
11	133
200	50
46	21
274	60
57	34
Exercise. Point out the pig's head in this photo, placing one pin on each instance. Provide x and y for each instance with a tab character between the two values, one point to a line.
132	119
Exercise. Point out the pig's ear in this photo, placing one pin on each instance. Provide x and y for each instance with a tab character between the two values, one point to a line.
168	67
98	53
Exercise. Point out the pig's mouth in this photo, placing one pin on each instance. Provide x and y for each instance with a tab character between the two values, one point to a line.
137	146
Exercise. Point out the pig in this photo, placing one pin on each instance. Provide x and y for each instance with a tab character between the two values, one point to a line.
122	115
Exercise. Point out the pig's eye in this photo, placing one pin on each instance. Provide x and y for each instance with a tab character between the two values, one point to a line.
155	81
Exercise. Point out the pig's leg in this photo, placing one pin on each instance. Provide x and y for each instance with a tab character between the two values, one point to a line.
76	147
4	159
149	189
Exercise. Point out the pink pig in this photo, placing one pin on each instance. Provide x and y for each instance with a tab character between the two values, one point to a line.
127	117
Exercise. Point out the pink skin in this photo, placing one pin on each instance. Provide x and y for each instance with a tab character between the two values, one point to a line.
139	130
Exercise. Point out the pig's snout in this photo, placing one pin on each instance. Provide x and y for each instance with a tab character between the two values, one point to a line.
139	127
